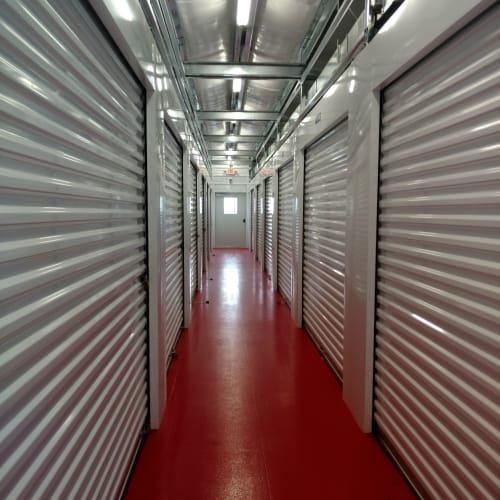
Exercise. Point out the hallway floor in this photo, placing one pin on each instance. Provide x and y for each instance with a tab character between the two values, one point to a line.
253	412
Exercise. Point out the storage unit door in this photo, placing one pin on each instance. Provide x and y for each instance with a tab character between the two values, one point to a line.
285	207
324	243
72	255
268	231
193	259
253	215
173	279
437	382
259	221
204	221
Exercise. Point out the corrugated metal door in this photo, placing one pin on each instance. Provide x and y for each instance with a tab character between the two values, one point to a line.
268	230
173	281
285	208
193	260
259	221
72	255
204	220
324	243
253	215
437	370
209	221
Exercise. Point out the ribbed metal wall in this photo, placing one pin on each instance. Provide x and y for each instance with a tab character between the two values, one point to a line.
268	230
173	280
259	221
72	255
324	243
285	231
437	383
193	260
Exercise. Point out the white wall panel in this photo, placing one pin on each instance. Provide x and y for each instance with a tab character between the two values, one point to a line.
72	255
268	229
437	365
285	231
324	243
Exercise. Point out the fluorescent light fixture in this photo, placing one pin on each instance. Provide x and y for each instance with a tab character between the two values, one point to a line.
231	139
237	85
243	12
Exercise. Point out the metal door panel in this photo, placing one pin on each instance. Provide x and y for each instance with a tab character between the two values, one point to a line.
268	229
324	243
72	255
285	231
259	222
193	260
253	212
437	330
173	279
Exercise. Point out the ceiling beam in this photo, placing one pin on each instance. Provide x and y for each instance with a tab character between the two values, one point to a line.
254	71
254	116
230	163
225	152
234	138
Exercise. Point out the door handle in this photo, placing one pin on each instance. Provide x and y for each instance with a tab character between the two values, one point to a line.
244	220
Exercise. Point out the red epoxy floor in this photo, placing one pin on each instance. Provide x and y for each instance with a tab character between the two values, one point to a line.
253	412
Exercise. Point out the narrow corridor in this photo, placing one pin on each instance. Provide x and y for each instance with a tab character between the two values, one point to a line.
253	412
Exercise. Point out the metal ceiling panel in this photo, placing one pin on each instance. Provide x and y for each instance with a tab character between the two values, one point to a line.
245	70
206	28
281	27
209	36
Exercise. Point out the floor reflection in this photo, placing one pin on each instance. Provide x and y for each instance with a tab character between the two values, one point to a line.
231	286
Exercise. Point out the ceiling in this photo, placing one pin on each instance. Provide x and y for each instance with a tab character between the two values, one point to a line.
269	52
241	80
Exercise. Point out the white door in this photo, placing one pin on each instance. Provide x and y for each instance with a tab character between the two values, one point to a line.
72	255
204	222
259	223
254	221
173	258
437	357
324	243
193	230
268	231
285	231
230	220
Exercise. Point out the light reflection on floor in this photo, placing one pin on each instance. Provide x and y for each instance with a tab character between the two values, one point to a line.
231	286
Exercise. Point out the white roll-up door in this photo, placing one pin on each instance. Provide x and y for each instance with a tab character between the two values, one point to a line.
324	243
173	281
72	255
437	369
204	221
253	215
268	230
209	221
193	259
259	222
285	210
